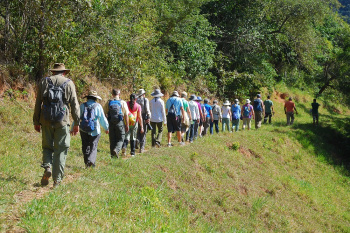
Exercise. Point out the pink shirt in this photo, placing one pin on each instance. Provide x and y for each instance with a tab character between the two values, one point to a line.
137	108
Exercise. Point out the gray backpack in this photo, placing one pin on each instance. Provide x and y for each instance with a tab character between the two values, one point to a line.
54	108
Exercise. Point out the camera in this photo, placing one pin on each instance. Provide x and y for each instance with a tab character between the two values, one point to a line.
148	125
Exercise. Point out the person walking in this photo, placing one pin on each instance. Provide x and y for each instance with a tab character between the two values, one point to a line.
247	113
91	117
314	111
158	117
208	118
289	107
217	116
226	116
146	116
198	129
135	120
268	110
236	115
117	112
56	95
174	110
259	110
193	106
187	116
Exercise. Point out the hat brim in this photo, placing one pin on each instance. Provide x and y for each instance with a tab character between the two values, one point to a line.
227	104
57	70
157	95
96	96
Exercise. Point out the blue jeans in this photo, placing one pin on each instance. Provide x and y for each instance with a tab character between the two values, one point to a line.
190	132
235	125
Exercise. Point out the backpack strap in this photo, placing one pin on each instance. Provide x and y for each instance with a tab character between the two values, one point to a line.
49	80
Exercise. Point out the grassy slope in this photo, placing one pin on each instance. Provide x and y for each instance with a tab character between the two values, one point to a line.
282	179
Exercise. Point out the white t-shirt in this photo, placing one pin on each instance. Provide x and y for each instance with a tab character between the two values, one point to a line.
226	111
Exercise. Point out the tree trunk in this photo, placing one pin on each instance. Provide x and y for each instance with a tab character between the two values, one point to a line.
7	31
324	87
41	64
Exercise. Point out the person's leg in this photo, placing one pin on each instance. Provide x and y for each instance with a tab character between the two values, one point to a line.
216	122
317	119
160	133
153	133
142	137
288	118
119	136
211	126
292	118
133	135
244	123
195	130
170	127
249	122
178	128
237	125
205	126
85	145
61	146
91	159
191	132
47	146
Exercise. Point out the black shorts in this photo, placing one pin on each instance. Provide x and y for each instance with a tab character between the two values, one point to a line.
173	125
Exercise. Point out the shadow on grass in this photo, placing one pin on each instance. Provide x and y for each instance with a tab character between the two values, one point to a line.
330	140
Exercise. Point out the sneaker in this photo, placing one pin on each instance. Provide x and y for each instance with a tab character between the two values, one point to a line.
141	151
191	141
123	151
157	144
46	176
170	145
182	143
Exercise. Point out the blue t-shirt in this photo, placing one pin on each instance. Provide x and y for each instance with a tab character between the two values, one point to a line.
177	103
208	108
236	111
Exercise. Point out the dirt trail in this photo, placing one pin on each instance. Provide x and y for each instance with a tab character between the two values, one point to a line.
15	212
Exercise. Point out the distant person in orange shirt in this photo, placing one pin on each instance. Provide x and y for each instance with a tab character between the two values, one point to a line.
289	108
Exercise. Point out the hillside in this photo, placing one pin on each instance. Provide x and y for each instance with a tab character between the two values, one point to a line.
277	179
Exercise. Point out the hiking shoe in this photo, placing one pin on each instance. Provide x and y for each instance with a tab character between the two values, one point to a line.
114	154
56	184
137	144
123	151
46	176
170	145
141	151
191	141
182	143
157	144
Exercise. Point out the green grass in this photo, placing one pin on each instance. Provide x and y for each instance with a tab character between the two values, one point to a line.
276	179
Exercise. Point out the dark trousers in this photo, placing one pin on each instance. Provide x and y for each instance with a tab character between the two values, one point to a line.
157	137
89	147
190	132
196	129
141	137
268	115
216	123
116	136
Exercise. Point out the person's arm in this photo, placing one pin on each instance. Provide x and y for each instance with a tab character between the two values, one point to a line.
139	117
102	118
37	109
295	110
75	109
164	113
285	110
197	112
125	110
189	113
211	115
148	110
253	114
183	113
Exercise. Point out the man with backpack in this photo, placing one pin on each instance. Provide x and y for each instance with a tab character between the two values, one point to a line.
117	113
174	110
217	116
259	110
236	115
208	118
56	97
198	126
247	114
268	109
91	116
314	112
146	117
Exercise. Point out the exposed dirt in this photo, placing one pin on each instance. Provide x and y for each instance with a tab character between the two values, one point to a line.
37	192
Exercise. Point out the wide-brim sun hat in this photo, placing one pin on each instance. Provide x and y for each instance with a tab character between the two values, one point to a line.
199	98
140	92
247	101
184	94
157	93
93	93
227	103
193	97
175	93
59	67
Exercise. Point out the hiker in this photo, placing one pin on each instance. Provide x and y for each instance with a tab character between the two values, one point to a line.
314	112
247	113
146	116
117	113
236	115
259	110
198	129
208	118
91	116
216	116
158	117
226	116
187	116
174	110
135	121
56	95
268	109
193	106
289	108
